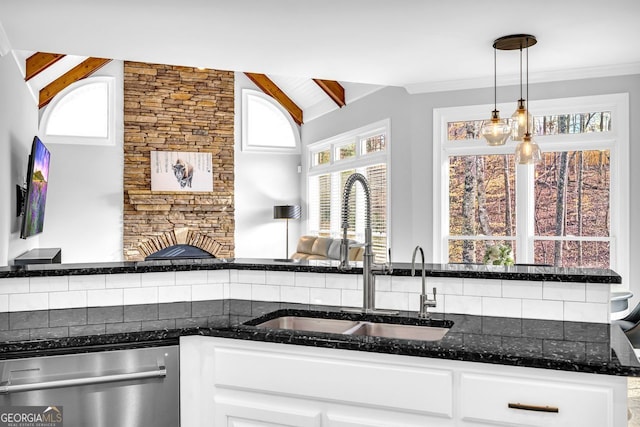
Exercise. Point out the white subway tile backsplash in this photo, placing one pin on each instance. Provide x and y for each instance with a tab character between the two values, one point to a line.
48	284
104	297
383	283
198	277
463	304
310	280
342	281
16	285
251	276
218	276
70	299
30	301
325	296
351	298
146	295
445	285
167	278
408	284
521	289
132	280
282	278
598	292
542	309
174	293
295	294
265	292
240	291
211	291
586	312
501	307
482	288
563	291
528	299
86	282
392	300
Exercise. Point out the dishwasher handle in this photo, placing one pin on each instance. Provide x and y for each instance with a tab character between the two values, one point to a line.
161	372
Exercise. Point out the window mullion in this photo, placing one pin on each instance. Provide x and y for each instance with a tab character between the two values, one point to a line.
525	210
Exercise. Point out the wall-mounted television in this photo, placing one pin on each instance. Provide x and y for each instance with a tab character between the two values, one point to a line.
33	198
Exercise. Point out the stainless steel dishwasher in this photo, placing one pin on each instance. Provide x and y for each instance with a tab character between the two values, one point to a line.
125	388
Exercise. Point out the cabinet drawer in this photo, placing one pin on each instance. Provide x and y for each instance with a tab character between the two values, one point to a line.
355	380
516	401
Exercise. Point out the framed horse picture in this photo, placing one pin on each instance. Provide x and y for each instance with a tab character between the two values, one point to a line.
182	171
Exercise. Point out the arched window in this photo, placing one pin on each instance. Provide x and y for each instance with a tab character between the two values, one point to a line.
83	113
266	126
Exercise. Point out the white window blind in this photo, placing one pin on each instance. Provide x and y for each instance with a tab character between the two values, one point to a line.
363	152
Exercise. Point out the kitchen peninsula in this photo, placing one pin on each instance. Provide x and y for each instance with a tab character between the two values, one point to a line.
542	326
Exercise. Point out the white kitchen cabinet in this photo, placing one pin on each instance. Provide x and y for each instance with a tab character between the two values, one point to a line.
236	383
246	383
542	399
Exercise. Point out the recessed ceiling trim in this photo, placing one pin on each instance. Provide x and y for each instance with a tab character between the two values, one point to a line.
539	77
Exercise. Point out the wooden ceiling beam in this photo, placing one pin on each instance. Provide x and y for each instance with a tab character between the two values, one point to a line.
80	71
333	89
270	88
40	61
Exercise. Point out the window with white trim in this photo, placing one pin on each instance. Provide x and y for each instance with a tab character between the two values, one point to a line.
570	210
83	113
365	151
266	125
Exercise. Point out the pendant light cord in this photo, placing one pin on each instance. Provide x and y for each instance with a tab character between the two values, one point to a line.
527	100
495	82
520	71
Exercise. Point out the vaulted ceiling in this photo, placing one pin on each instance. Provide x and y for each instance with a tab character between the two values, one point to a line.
47	74
421	45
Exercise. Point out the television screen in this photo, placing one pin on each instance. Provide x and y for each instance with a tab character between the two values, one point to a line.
36	197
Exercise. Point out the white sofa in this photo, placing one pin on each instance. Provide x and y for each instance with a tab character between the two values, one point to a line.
314	247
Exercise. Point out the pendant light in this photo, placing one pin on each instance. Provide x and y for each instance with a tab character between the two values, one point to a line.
527	151
521	117
495	130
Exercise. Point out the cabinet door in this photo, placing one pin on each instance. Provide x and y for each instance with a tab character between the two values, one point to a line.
251	412
523	401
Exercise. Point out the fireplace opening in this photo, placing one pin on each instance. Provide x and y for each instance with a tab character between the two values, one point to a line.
179	252
179	243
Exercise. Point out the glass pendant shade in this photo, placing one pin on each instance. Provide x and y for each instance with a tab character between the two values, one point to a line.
496	130
527	151
519	121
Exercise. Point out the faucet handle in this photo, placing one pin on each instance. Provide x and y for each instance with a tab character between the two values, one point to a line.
344	255
389	264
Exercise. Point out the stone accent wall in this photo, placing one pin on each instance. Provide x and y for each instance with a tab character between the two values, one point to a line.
169	108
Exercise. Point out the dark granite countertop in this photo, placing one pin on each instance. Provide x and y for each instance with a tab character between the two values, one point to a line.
568	346
517	272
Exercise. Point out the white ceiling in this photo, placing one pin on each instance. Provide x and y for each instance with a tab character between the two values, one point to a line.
419	44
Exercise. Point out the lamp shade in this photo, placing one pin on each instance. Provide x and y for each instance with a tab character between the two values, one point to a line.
286	212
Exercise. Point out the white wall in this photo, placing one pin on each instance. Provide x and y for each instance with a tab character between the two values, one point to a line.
262	180
411	148
18	126
84	200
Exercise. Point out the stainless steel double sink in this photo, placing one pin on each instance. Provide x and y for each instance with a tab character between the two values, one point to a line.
357	328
